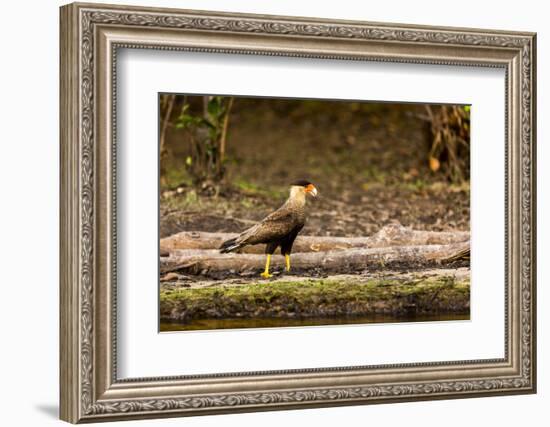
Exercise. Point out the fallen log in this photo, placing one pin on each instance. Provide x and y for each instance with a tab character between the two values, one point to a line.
389	235
204	262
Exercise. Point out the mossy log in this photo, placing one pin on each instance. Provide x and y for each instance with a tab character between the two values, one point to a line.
317	298
390	235
204	262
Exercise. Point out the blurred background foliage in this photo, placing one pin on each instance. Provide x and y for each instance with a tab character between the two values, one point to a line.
450	143
213	143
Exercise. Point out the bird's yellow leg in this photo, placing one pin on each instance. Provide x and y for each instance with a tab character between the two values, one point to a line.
266	274
287	260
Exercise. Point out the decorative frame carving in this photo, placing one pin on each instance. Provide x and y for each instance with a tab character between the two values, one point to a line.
90	36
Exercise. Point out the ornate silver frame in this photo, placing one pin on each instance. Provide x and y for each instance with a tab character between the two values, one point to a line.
90	36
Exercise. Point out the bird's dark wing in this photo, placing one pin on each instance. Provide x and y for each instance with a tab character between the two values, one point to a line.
288	240
273	227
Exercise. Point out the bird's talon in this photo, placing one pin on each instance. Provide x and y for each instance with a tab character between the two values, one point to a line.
266	275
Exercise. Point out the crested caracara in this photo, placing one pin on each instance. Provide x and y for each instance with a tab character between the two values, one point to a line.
278	229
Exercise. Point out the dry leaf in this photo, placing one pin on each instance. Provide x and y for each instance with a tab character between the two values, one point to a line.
434	164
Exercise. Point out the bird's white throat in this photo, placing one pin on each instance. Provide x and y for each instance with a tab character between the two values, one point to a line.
297	195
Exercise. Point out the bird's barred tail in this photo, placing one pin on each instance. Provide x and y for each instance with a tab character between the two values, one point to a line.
229	246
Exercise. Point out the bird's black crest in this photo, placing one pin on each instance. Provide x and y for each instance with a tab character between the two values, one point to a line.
302	182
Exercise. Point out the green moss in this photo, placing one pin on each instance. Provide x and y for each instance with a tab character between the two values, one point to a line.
318	297
251	188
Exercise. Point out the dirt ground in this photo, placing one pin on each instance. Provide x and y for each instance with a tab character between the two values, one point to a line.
368	162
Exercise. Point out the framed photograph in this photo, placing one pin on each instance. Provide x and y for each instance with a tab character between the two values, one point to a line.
265	213
354	262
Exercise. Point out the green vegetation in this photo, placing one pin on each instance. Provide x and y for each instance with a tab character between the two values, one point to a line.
203	122
317	298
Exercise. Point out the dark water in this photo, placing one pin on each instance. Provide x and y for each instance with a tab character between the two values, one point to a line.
240	323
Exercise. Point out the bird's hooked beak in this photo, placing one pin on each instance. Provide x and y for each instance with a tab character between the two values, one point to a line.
310	189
